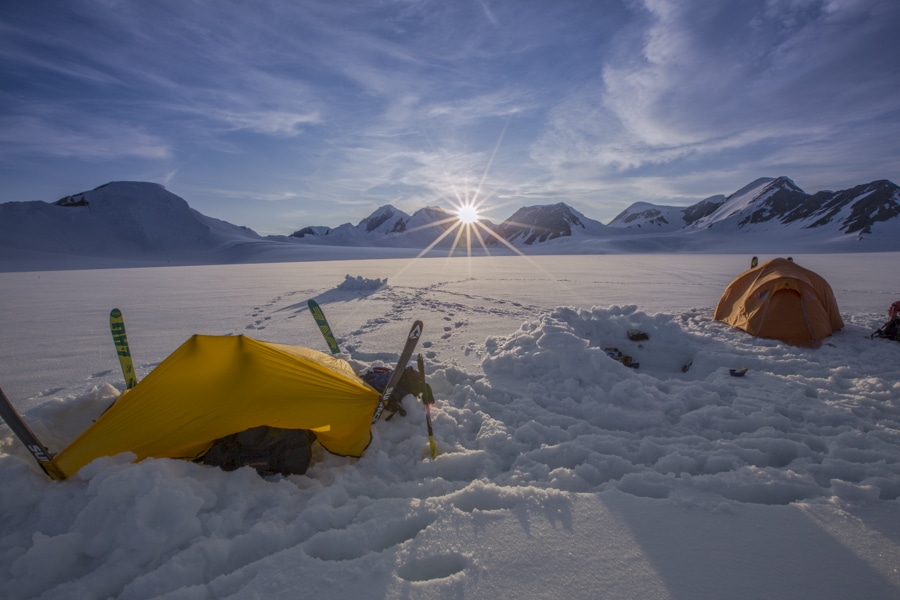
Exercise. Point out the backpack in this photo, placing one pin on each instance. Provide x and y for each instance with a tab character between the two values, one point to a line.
410	383
891	329
894	309
269	450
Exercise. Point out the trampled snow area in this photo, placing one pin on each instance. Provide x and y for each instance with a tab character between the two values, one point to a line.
561	473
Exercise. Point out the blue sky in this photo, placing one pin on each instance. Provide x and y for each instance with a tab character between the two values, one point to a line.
282	114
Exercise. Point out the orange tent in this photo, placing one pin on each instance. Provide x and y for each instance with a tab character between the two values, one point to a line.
779	299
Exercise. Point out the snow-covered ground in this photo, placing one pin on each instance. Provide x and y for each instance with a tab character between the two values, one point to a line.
561	474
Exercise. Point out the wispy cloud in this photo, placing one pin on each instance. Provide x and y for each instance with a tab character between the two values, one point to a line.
77	136
706	80
346	105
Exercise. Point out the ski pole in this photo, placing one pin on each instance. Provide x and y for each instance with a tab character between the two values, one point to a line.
428	400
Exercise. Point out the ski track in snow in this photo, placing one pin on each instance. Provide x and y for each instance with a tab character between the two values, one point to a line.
449	314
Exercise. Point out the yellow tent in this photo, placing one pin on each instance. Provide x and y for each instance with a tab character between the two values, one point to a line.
779	299
214	386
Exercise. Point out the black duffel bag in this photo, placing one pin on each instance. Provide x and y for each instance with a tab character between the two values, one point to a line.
269	450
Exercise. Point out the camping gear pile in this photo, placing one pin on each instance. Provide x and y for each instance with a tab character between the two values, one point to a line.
269	450
891	329
618	356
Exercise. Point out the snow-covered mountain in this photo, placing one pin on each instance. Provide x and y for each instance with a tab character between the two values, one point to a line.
655	218
778	205
389	227
386	219
536	224
124	218
135	223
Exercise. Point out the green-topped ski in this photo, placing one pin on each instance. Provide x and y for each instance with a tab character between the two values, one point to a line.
117	328
316	311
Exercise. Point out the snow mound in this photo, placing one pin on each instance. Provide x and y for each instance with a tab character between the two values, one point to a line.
361	284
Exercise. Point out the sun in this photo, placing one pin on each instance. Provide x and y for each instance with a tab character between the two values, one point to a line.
467	214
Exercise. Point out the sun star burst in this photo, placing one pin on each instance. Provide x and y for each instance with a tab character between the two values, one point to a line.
467	214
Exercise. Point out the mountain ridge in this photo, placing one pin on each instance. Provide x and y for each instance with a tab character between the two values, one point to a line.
143	223
768	203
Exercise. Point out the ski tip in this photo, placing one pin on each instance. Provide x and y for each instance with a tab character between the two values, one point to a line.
115	313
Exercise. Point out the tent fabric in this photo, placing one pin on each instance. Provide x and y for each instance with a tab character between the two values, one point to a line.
214	386
781	300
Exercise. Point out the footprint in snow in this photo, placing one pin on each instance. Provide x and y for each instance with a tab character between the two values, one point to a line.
55	390
365	538
485	500
431	568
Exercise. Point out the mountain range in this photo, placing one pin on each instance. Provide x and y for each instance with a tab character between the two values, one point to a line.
143	223
775	203
773	208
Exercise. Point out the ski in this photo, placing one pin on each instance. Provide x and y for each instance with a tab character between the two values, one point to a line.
27	437
117	328
322	322
411	340
427	400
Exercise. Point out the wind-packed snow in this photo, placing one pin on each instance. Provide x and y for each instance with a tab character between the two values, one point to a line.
561	474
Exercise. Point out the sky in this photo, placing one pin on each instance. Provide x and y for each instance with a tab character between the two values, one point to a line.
280	115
